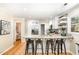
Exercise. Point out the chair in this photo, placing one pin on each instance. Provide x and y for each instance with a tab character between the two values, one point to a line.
39	41
48	43
29	41
60	43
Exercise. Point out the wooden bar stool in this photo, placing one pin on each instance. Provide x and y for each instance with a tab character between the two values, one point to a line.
39	41
29	41
48	43
58	44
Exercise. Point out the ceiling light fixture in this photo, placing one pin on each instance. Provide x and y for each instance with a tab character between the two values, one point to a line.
65	4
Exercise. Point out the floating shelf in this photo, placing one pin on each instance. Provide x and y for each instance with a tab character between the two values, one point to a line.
63	23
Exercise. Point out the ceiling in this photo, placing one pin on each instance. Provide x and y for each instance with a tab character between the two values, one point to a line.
34	10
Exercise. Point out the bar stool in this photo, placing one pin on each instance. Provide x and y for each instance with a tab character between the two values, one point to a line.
29	41
59	43
48	43
39	41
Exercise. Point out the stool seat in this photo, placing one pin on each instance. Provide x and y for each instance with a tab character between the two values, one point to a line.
39	41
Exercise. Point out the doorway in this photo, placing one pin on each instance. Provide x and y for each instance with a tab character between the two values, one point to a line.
18	31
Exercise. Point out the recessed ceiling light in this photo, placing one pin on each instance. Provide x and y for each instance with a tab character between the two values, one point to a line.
65	4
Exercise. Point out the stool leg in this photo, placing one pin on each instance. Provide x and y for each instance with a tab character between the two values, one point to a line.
55	48
61	47
27	47
52	46
64	47
33	48
42	47
47	48
58	49
36	48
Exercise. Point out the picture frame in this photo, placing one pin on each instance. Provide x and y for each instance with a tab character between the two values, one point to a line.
75	24
4	27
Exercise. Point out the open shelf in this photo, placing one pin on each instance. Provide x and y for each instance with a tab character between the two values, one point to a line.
62	23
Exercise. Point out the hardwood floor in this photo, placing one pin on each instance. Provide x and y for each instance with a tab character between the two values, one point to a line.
18	49
68	53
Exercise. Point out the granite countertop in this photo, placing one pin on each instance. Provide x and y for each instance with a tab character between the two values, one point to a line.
48	36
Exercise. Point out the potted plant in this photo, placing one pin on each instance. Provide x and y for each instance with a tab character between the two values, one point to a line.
63	32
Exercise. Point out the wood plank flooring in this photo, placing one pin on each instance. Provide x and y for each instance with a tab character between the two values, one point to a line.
18	49
68	53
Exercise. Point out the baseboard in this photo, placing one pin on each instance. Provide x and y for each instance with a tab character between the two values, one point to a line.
70	52
6	50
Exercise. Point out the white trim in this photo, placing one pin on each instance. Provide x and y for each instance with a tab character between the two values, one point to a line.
70	52
6	49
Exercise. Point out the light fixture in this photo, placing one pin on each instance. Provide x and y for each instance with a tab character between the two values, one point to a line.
65	4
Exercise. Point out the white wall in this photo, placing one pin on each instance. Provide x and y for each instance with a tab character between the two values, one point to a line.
55	22
73	13
6	41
